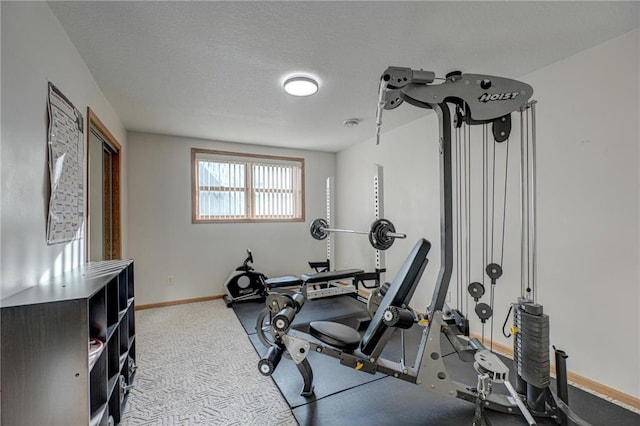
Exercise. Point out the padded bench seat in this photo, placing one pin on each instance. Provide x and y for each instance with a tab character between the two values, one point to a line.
323	277
286	281
335	334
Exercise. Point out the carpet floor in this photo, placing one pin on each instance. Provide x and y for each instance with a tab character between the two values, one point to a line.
196	366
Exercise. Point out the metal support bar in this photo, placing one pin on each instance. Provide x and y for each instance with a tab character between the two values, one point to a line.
378	207
329	215
523	409
446	209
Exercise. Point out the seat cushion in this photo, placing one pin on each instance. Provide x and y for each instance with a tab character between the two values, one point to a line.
337	335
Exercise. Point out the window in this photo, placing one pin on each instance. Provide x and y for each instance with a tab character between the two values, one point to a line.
234	187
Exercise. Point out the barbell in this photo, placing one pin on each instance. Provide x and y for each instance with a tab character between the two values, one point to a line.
382	233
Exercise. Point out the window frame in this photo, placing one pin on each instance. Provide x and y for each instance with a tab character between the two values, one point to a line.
248	159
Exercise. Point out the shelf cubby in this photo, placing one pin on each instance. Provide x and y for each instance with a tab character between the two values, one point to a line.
112	300
131	319
124	335
130	286
98	384
115	403
113	360
98	316
123	286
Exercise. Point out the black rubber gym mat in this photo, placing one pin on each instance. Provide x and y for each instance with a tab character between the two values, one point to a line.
589	407
247	313
343	309
412	337
387	401
344	396
329	376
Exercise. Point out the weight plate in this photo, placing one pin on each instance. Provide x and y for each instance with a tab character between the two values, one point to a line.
317	229
378	234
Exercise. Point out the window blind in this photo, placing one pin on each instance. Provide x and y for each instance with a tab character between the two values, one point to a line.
230	187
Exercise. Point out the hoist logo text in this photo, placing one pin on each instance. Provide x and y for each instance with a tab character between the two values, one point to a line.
488	97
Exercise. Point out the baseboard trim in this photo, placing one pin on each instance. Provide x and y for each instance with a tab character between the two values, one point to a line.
579	380
178	302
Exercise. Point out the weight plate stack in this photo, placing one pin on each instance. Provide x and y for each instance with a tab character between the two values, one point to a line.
531	347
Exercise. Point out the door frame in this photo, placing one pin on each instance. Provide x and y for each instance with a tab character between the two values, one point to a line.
116	244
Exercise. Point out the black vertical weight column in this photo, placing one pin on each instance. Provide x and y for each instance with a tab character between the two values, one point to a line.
446	209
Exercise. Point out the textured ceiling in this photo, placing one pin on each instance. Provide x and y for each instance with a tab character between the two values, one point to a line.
214	70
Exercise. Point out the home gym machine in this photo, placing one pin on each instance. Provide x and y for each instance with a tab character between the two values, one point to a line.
472	100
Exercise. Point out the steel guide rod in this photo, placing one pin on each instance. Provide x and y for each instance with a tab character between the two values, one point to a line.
329	194
524	217
528	201
533	200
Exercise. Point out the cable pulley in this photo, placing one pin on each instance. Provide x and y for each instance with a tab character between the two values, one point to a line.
476	290
484	312
382	233
494	271
502	128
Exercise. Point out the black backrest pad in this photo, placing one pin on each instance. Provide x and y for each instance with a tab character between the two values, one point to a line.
400	293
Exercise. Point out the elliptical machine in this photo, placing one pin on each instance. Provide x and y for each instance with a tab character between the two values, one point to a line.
245	284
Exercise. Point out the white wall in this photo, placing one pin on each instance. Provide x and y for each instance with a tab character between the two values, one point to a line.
35	50
199	257
588	208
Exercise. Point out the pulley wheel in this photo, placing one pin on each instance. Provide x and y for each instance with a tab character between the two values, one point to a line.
484	311
317	229
379	234
494	271
476	290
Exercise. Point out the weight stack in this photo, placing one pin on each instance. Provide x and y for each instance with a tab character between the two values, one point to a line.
531	353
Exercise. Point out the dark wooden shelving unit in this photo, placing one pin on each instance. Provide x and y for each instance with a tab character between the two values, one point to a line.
48	372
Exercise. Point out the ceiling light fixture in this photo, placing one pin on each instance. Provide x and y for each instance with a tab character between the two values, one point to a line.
352	122
300	86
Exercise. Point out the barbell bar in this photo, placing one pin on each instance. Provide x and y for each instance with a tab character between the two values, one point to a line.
382	233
